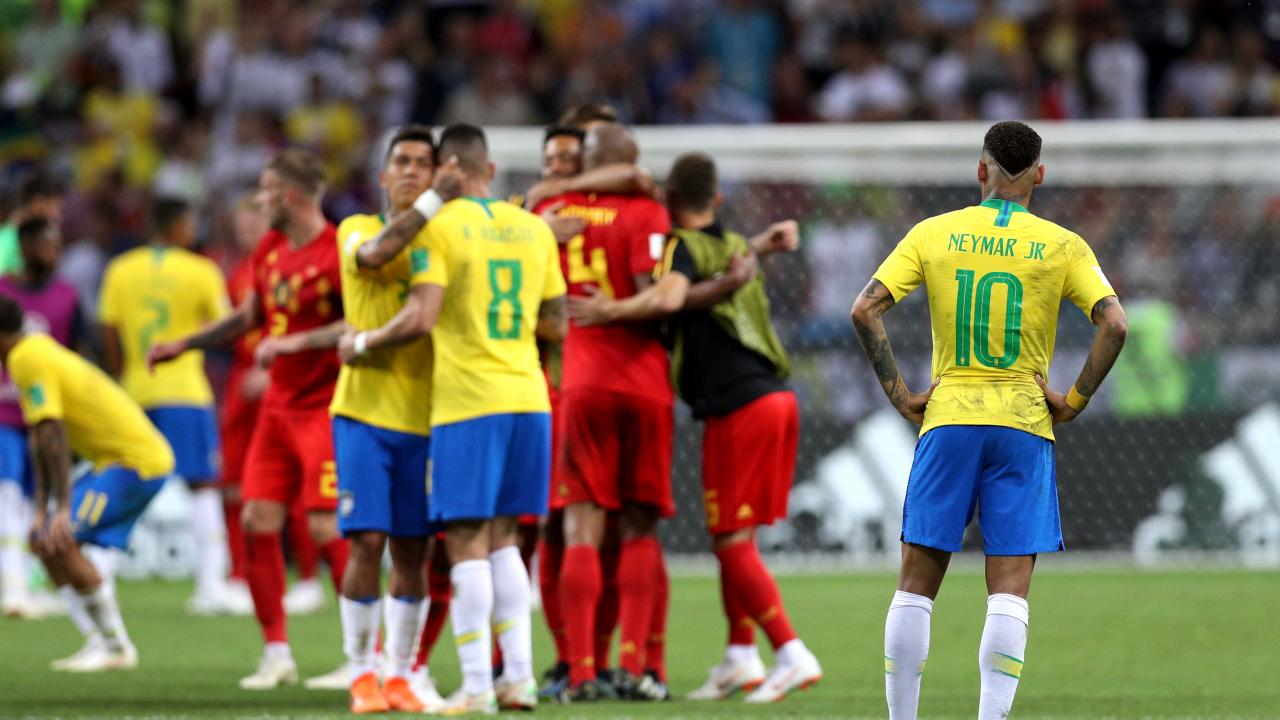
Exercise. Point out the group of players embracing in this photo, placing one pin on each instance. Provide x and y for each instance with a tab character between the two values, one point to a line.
466	382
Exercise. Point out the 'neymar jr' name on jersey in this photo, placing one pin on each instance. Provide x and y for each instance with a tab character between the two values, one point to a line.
998	246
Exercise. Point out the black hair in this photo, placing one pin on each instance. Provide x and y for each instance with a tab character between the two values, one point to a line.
580	115
1012	144
39	184
165	211
692	182
468	143
10	316
555	131
33	229
414	132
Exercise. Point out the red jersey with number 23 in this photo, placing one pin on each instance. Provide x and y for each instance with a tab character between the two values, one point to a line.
299	290
625	236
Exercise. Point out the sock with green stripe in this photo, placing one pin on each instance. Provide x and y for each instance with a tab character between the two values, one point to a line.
512	598
906	647
1000	656
471	608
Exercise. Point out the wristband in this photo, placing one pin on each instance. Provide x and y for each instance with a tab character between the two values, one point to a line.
428	204
361	343
1075	400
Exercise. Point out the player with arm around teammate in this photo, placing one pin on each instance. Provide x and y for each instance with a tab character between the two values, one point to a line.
730	367
493	286
995	275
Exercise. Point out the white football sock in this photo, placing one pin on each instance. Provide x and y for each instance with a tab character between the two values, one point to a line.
906	647
469	610
791	652
77	612
511	613
1000	656
105	560
13	543
739	654
209	531
360	621
278	651
100	605
403	622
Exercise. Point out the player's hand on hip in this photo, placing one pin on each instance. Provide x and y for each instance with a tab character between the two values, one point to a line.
593	309
164	352
1059	410
914	405
448	180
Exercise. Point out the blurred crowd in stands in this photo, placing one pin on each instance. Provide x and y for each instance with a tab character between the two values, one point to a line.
128	99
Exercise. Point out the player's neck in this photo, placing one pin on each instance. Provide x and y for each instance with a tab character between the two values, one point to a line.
1013	195
694	219
302	229
476	189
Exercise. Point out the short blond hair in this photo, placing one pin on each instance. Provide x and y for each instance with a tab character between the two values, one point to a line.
300	168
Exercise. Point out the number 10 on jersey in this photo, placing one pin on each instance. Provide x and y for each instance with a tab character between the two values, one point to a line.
973	318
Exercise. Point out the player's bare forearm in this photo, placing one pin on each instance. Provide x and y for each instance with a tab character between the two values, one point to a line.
112	357
230	328
663	298
781	236
1113	328
51	452
622	178
415	320
705	294
553	320
321	338
872	303
393	239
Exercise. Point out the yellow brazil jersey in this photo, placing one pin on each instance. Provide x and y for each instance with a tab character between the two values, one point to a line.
389	388
104	425
498	264
155	294
996	276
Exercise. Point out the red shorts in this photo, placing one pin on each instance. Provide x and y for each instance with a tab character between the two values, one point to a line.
291	458
749	463
238	420
613	448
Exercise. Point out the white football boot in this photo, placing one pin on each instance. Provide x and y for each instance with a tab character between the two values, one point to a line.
728	678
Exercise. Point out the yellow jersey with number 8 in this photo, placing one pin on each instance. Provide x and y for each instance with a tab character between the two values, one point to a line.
154	294
389	388
996	276
498	263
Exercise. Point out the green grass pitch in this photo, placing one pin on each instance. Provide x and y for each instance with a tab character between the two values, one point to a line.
1103	645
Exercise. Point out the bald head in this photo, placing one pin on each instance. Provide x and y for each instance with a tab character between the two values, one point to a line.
607	143
468	144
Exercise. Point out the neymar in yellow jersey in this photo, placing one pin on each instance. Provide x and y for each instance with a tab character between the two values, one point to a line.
70	406
493	287
151	294
995	275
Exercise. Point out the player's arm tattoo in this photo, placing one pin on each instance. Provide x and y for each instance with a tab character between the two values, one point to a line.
553	320
872	303
51	456
222	332
394	238
1113	328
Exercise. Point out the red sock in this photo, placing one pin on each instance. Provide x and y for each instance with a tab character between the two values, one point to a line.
438	586
235	538
655	649
637	571
550	560
580	594
741	565
301	548
264	568
741	630
607	606
335	554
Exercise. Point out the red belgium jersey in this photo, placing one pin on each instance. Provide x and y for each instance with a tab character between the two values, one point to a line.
625	236
299	290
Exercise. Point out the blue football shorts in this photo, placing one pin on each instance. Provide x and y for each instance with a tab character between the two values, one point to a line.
1007	475
107	502
192	432
382	479
15	461
491	466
